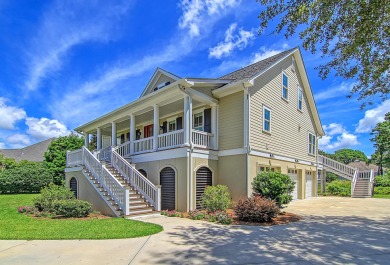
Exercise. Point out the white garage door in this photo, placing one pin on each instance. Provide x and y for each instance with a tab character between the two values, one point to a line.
293	174
309	184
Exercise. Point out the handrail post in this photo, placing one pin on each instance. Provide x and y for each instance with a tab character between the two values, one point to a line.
158	203
127	200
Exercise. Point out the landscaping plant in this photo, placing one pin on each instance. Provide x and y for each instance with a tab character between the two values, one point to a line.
256	209
215	198
72	208
339	188
50	194
223	218
196	215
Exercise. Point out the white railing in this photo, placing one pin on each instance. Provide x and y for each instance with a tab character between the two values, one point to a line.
143	145
109	183
74	158
354	181
337	166
151	193
104	154
372	182
365	175
171	139
123	149
202	139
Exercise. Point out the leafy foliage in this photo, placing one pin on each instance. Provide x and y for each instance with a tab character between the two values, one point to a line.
382	190
347	156
216	198
256	209
196	215
339	188
55	156
381	140
382	181
355	36
71	208
50	194
6	163
275	186
331	177
24	177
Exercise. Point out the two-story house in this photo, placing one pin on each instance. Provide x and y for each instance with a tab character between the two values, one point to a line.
161	150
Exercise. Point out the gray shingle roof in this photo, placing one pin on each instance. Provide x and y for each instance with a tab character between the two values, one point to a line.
33	152
253	69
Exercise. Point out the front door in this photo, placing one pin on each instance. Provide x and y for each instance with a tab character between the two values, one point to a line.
148	131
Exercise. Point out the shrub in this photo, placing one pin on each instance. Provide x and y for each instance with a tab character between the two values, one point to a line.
71	208
196	215
215	198
26	209
212	217
223	218
256	209
274	186
382	181
50	194
24	177
382	190
339	188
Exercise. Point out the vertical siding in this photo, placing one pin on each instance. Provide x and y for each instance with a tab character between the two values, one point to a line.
231	121
289	126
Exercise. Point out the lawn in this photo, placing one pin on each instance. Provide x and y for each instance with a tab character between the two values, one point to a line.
14	225
382	196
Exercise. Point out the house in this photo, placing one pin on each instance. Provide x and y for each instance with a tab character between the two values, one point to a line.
161	150
34	152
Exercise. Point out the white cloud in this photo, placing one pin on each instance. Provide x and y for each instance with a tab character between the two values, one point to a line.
62	28
45	128
194	13
9	115
338	90
264	53
2	145
336	137
372	117
18	140
233	40
333	128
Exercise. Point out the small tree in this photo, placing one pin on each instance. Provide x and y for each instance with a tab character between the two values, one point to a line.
216	198
275	186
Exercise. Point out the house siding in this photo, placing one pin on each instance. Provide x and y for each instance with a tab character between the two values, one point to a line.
162	79
204	90
289	126
231	121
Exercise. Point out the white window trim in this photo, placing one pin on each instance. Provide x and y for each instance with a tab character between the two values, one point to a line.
174	121
309	143
284	73
193	118
300	89
270	119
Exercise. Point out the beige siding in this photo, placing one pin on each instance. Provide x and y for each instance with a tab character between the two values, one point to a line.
161	79
232	173
289	126
204	90
231	121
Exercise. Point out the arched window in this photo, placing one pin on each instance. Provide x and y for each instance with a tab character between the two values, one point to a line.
143	172
168	188
73	186
203	179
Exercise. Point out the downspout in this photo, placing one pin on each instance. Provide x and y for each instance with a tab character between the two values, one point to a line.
317	166
247	135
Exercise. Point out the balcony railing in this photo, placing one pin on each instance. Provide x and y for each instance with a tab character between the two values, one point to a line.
143	145
171	139
202	139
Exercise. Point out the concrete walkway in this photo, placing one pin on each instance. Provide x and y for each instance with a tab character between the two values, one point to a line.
334	231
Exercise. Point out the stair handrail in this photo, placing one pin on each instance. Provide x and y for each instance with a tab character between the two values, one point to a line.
372	182
109	183
122	147
337	166
354	181
144	186
104	153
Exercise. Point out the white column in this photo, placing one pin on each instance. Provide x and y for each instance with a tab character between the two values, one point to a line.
186	121
98	138
86	140
132	133
214	125
190	118
156	126
113	133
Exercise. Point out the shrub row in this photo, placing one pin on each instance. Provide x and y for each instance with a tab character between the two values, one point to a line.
382	181
382	190
339	188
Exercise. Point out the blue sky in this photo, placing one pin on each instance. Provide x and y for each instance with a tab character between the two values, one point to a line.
64	63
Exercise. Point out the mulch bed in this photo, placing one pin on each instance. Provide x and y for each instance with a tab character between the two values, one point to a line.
281	219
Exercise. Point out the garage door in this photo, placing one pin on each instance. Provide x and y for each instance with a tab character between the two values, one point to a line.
309	184
293	174
168	189
203	179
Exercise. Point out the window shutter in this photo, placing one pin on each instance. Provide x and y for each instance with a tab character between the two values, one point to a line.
128	136
137	134
207	120
164	127
122	138
179	123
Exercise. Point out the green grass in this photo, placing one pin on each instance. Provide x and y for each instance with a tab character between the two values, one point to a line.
382	196
14	225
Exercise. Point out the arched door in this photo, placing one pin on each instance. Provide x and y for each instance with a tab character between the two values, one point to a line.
168	189
73	186
203	179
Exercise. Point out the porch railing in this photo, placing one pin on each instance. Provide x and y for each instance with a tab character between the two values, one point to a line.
339	167
104	154
143	145
124	149
171	139
202	139
74	158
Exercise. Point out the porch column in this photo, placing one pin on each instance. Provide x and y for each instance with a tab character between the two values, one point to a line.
132	133
98	138
113	133
86	140
214	125
156	125
187	124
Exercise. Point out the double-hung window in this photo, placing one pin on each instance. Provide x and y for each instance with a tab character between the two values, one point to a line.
266	119
198	121
284	86
312	144
300	98
172	126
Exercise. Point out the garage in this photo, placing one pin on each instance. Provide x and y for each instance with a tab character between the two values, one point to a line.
203	179
309	184
293	174
168	189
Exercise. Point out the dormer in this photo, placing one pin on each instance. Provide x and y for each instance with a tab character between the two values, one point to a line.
159	80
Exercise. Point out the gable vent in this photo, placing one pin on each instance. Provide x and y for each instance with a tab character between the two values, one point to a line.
164	84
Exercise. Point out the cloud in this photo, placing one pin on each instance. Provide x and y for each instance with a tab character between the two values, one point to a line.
333	128
335	91
45	128
233	40
194	13
372	117
18	140
2	145
336	137
264	53
9	115
65	26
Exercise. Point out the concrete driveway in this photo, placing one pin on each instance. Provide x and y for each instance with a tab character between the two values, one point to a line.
334	231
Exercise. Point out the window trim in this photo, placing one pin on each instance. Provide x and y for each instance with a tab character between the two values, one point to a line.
193	120
301	100
264	120
287	88
171	121
311	146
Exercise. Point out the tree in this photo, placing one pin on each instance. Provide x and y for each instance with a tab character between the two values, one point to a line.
6	163
381	140
347	156
354	34
55	156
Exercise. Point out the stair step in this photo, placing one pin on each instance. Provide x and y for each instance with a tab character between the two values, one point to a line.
141	210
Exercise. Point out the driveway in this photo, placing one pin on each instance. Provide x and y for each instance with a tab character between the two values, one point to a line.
334	231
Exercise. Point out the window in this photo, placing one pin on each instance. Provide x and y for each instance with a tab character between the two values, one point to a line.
266	119
172	126
300	98
268	169
198	121
312	144
285	87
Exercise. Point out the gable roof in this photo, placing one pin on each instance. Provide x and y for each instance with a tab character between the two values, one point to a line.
152	81
33	152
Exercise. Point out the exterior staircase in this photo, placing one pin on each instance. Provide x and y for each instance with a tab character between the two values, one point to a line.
361	189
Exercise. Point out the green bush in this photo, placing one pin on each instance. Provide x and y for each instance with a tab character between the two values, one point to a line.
382	181
382	190
215	198
223	218
50	194
339	188
24	177
196	215
256	209
274	186
71	208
